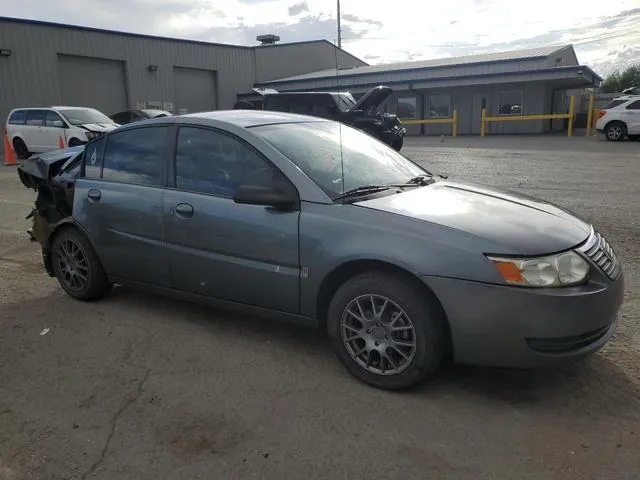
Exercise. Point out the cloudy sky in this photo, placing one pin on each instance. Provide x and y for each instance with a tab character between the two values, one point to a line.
606	34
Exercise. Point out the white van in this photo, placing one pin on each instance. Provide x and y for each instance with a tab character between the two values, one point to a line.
37	130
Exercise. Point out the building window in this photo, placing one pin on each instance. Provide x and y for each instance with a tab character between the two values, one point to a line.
407	107
439	106
510	103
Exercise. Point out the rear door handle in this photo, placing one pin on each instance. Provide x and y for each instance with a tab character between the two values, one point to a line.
184	210
94	194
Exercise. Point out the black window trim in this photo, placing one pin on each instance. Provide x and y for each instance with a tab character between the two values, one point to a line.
163	162
173	147
83	171
632	103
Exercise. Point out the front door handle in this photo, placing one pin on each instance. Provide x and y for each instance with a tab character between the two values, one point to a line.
94	194
184	210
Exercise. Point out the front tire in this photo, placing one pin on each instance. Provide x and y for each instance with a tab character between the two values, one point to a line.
397	144
615	131
386	332
74	142
77	266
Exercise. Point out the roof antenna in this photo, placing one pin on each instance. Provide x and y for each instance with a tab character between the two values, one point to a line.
335	52
339	30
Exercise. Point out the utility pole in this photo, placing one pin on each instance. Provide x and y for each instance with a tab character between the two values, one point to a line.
339	32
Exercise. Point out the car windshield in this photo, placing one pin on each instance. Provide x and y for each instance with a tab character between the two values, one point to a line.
317	148
82	116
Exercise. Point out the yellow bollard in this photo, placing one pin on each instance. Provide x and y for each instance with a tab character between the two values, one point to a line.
483	121
570	129
455	123
590	116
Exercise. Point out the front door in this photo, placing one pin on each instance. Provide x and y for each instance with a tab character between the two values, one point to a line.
54	131
119	202
221	249
480	101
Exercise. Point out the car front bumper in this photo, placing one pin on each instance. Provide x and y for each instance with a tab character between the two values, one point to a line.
503	326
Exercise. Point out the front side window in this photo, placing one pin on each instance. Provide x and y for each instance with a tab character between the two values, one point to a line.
407	107
135	156
214	163
83	116
35	118
52	119
510	103
332	154
18	117
439	106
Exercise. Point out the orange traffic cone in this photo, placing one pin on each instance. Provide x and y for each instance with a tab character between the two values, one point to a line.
60	142
9	154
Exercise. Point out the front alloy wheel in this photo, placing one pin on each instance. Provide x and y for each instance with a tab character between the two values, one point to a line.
378	334
387	330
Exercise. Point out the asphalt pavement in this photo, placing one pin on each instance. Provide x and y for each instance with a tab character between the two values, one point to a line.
143	387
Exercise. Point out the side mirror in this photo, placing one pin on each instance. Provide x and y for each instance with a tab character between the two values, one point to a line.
58	124
267	196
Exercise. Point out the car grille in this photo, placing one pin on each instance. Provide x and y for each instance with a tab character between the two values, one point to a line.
600	252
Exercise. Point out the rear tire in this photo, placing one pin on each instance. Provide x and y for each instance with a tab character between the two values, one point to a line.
397	144
77	266
22	152
615	131
395	344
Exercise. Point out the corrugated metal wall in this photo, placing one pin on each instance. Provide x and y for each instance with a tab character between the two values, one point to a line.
29	77
280	61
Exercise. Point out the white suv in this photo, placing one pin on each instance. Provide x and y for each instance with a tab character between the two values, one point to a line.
620	118
37	130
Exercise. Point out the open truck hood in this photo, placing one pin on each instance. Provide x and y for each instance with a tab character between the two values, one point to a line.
372	98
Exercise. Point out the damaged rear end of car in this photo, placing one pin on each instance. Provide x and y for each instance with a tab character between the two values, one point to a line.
52	176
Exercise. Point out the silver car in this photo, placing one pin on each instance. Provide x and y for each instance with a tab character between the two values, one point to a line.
308	219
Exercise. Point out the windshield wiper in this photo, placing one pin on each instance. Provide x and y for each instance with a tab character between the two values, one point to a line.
363	190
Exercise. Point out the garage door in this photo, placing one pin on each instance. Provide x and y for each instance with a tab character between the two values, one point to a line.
93	82
194	90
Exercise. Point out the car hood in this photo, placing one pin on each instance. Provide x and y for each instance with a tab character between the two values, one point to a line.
100	127
372	98
516	223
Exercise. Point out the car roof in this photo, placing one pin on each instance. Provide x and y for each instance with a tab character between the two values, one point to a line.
254	118
58	107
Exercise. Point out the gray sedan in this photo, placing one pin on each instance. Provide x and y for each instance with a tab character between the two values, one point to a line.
303	218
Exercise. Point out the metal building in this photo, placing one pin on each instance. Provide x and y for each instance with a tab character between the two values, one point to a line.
44	63
524	82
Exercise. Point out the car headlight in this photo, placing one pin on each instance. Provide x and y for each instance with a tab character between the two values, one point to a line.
559	270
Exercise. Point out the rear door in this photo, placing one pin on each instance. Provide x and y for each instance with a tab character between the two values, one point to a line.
34	132
119	203
633	118
221	249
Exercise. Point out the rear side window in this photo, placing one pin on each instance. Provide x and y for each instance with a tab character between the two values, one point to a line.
613	104
634	105
35	118
18	117
93	158
135	156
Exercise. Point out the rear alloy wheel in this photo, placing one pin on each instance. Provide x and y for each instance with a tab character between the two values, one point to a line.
387	333
615	131
77	267
22	152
